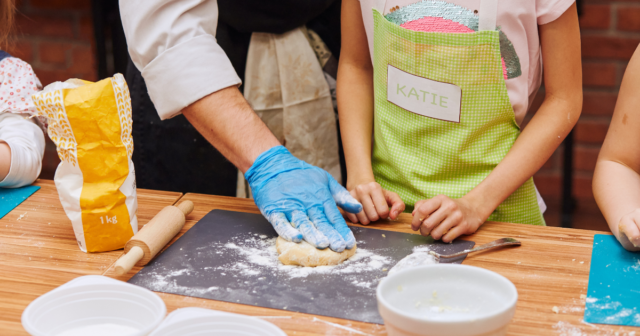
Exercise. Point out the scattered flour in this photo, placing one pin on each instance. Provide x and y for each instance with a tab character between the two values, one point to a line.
419	256
257	257
567	329
257	251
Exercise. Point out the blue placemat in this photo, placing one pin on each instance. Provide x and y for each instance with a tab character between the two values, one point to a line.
11	198
614	284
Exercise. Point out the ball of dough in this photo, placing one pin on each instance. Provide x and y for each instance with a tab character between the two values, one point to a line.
304	254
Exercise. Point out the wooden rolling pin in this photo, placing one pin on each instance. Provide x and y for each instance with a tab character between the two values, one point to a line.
145	244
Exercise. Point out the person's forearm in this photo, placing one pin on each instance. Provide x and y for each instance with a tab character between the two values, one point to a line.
546	131
355	106
5	160
227	121
616	190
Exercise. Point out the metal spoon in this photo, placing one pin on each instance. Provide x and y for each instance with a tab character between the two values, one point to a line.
496	243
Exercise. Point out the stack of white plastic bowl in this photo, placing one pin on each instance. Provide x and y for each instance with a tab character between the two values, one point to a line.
100	306
446	300
205	322
94	305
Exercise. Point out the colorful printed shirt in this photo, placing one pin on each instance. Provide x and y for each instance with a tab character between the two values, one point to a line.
517	21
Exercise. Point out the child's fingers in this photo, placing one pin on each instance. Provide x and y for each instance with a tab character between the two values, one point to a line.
395	202
423	210
362	217
629	227
454	233
368	207
434	221
452	220
353	218
377	195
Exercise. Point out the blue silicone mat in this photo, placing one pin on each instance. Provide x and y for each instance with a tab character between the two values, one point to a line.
11	198
614	284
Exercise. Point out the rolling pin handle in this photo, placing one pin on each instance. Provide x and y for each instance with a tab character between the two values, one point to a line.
186	207
127	261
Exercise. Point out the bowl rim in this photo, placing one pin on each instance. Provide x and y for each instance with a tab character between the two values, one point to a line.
510	305
32	308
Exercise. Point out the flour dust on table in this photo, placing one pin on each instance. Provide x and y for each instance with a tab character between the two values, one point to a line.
231	256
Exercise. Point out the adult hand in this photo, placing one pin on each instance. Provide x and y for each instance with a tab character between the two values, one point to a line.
445	218
299	200
376	203
629	228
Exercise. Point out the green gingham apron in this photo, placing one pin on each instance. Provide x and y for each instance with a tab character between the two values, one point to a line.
420	157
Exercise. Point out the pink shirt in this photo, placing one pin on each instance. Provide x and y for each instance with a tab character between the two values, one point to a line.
517	19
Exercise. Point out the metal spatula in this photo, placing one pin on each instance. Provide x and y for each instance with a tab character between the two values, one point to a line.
496	243
424	256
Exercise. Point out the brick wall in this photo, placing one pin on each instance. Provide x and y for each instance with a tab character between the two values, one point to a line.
56	38
610	34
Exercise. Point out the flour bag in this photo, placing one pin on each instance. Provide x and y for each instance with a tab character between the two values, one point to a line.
90	123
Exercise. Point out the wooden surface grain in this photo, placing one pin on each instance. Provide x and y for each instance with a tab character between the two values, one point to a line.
550	269
39	252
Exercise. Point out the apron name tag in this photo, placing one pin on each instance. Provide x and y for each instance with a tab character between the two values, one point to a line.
423	96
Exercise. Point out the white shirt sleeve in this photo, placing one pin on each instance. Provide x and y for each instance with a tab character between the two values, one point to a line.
26	141
172	42
550	10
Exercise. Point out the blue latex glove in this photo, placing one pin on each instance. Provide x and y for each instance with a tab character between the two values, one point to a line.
299	200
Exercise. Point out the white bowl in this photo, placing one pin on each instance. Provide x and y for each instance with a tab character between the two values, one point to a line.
94	305
446	300
206	322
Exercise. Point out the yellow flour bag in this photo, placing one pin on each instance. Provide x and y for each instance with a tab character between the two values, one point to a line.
90	123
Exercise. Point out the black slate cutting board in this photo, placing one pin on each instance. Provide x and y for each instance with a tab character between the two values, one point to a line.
230	256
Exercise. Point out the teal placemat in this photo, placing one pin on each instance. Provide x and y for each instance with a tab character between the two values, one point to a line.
11	198
614	284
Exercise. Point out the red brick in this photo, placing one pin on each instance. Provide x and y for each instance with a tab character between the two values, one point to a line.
599	103
83	63
595	17
548	184
599	74
591	131
597	46
582	186
45	26
584	158
85	31
61	4
22	50
54	53
628	18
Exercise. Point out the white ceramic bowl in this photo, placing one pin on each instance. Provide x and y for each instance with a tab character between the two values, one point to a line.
206	322
94	305
446	300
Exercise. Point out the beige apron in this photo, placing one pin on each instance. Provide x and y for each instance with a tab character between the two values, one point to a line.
285	85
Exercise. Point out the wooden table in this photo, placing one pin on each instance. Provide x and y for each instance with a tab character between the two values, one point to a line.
39	252
550	269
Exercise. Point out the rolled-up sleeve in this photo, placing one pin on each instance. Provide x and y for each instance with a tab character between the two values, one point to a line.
26	141
172	43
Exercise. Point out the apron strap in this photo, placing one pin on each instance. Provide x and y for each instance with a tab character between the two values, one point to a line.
488	15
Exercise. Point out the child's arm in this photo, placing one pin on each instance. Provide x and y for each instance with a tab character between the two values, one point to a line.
5	160
355	107
447	218
22	145
616	181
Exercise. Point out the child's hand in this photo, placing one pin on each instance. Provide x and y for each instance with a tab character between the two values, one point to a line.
375	203
629	228
445	218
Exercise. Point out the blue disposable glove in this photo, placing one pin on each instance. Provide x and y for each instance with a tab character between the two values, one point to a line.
299	200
